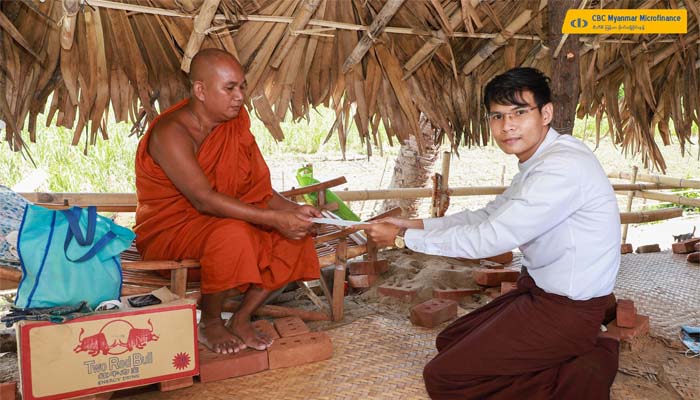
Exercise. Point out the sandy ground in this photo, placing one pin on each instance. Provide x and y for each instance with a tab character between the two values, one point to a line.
642	375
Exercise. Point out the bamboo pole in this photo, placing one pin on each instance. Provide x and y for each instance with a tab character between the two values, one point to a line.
127	201
302	18
497	42
665	180
669	198
630	199
650	216
70	11
375	29
202	22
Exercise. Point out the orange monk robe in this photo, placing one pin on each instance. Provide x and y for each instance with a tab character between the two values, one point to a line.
232	253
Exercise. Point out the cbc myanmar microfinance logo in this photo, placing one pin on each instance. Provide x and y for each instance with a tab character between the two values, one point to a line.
578	23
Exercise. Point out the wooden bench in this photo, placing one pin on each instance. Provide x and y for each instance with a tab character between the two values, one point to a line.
334	247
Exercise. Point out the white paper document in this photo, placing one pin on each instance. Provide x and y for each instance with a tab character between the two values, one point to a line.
337	222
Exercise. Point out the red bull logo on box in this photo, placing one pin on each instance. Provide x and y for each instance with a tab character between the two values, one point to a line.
115	337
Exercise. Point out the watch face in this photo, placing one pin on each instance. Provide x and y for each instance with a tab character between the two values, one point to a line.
399	242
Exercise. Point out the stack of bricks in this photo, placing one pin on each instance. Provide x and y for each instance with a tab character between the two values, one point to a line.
364	274
627	324
691	247
402	291
494	277
685	246
293	345
433	312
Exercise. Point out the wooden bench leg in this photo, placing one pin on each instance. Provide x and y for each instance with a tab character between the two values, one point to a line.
339	279
178	281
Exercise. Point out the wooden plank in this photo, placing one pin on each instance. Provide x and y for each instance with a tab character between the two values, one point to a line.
341	258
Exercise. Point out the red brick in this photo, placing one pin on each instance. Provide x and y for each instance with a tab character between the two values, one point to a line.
504	258
508	286
641	327
362	281
433	312
494	277
694	257
454	294
175	384
215	367
686	246
264	326
404	292
8	390
626	248
649	248
298	350
368	267
626	314
290	326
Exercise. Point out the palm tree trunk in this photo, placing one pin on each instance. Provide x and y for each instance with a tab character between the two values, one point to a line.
412	169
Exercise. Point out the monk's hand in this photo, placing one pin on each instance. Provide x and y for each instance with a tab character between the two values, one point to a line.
309	211
381	233
291	223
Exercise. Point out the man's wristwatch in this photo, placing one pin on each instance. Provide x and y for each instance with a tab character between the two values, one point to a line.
399	243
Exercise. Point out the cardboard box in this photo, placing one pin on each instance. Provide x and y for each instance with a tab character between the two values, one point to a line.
108	351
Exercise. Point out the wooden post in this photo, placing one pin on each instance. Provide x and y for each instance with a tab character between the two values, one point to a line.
630	198
339	279
202	22
70	11
565	68
444	189
375	29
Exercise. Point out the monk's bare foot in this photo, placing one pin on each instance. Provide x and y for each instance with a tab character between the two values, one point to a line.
214	335
241	327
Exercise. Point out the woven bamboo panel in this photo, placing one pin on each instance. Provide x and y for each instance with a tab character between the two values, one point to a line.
663	286
373	358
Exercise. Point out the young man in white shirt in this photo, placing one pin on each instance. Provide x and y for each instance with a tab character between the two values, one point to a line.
541	340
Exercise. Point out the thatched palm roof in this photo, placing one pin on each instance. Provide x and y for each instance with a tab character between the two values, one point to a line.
370	60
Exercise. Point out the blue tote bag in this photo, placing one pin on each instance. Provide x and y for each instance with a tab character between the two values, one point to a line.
69	256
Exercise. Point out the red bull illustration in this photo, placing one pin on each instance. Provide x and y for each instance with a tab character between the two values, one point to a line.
116	337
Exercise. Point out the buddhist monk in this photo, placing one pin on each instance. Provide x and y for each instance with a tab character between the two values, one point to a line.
539	341
204	192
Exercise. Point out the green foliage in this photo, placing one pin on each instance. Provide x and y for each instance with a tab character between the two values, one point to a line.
109	165
306	137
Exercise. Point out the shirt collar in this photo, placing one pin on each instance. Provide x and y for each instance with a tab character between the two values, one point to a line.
552	135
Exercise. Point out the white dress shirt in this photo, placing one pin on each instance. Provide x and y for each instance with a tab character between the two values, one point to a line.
560	210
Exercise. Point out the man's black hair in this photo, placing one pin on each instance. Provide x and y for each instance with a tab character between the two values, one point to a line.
507	88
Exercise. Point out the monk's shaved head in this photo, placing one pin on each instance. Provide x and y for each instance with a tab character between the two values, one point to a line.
218	84
206	61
